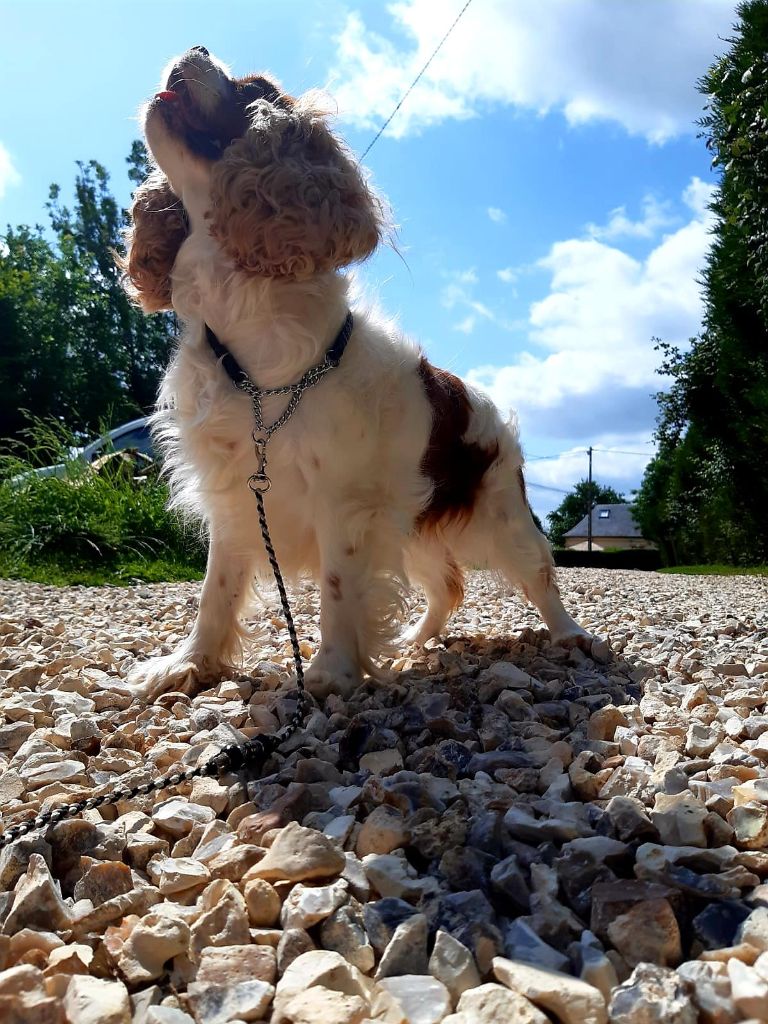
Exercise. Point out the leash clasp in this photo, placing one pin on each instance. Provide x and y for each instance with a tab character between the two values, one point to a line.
259	482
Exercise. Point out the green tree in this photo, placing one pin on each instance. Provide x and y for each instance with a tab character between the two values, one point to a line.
135	347
72	346
575	506
44	298
705	495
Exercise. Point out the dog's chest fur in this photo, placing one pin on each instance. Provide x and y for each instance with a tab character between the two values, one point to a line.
350	452
384	444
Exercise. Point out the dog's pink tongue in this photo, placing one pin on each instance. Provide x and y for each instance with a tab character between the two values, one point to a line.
167	95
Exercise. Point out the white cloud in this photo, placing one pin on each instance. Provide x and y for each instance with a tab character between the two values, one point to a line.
497	216
631	62
453	294
8	173
482	309
467	276
508	275
697	196
656	216
467	325
459	292
590	367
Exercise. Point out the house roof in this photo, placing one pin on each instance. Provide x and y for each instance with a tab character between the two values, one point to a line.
617	523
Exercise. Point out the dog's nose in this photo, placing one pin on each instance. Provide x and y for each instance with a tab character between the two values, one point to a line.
200	49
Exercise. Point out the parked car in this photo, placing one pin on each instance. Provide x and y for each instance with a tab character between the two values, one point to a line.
134	436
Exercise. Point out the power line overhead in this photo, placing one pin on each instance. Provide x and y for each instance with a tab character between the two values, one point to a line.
410	88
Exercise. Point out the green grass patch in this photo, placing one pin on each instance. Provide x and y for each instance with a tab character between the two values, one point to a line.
89	527
717	570
116	574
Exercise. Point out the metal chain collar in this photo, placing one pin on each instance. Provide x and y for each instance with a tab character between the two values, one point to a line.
251	755
259	482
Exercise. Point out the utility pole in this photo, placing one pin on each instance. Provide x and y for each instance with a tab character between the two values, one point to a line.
589	503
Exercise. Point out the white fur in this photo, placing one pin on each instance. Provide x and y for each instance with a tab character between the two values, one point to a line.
347	485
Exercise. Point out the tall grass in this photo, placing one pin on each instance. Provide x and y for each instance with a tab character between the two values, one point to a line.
87	527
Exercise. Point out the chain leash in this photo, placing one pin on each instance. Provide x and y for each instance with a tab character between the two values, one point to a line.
253	754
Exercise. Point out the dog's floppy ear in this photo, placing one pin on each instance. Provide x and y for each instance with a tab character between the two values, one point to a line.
288	200
159	226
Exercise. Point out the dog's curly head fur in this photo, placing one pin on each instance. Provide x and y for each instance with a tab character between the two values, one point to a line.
282	196
159	226
289	200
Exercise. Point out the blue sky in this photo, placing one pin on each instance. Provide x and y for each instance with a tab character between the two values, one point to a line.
545	176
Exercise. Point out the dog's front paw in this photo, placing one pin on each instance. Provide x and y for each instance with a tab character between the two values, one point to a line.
180	672
331	672
590	644
573	636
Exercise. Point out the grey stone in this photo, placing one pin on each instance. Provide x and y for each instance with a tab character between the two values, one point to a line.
652	995
293	943
344	932
470	918
382	917
38	902
718	924
219	1004
14	859
508	880
453	964
522	943
406	952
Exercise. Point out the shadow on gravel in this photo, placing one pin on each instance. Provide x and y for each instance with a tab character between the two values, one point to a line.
536	804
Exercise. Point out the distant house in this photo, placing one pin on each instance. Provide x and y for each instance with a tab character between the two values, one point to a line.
613	526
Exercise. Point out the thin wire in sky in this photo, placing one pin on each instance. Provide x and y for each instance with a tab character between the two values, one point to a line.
580	452
410	88
618	451
545	487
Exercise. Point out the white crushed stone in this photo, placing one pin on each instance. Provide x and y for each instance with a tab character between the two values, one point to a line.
601	816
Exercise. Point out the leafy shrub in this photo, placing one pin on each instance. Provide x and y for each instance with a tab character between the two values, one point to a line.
99	522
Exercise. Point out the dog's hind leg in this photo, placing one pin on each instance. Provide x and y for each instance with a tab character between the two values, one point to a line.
513	545
431	564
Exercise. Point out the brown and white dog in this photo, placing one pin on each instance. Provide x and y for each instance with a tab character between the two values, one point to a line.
389	471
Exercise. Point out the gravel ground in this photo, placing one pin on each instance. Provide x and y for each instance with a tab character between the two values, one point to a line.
502	830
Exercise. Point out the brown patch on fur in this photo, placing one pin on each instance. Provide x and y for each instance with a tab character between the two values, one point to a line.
159	226
454	581
266	88
335	586
548	572
455	467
